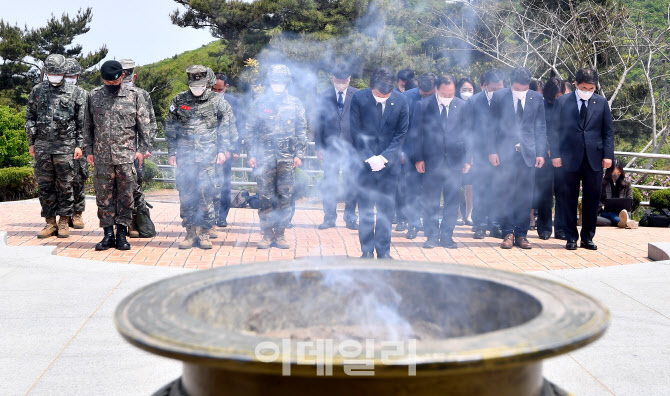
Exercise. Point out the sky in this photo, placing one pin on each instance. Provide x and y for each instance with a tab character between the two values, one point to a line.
139	29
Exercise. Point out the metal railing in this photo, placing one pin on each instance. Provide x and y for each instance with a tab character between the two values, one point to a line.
645	171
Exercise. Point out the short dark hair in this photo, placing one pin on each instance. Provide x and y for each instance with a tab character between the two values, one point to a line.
427	82
405	74
341	71
567	87
382	80
222	76
493	75
536	85
587	75
463	81
520	75
444	79
552	88
411	84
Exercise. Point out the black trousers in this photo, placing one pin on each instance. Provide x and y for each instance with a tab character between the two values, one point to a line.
516	195
414	204
543	197
591	182
401	195
224	205
560	215
484	195
376	189
336	158
443	181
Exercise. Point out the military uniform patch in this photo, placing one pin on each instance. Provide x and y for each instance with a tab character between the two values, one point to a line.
171	108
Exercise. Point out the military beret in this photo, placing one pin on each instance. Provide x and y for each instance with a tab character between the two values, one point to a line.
127	64
111	70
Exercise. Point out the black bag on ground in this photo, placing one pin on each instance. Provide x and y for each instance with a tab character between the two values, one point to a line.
656	219
238	199
145	226
253	201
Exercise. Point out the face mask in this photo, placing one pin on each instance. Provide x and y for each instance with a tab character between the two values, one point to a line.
519	95
466	95
197	91
54	80
113	89
586	95
444	101
489	95
71	80
380	100
615	176
341	87
278	88
128	84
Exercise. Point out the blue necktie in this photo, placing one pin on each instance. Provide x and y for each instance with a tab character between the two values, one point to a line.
340	103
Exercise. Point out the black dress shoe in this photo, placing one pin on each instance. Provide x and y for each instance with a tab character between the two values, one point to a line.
560	235
289	225
460	222
121	241
430	243
402	226
368	255
473	229
544	236
571	245
394	220
352	225
385	256
221	223
588	245
108	240
447	242
411	233
326	225
496	233
480	234
468	222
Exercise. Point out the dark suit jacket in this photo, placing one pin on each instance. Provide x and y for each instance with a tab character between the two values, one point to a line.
371	138
479	114
240	123
505	133
330	125
569	139
431	142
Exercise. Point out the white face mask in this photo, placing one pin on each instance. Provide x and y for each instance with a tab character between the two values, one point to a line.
341	87
466	95
278	88
380	100
54	80
128	83
519	95
197	91
586	95
71	80
444	101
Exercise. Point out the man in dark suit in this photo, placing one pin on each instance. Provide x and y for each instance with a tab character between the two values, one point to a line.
379	122
224	172
410	201
484	213
334	147
440	149
517	142
582	144
403	76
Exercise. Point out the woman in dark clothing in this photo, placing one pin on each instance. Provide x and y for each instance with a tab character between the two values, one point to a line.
616	185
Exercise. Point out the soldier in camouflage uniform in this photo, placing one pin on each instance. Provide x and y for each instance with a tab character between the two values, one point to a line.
72	72
129	81
55	119
276	143
199	130
118	128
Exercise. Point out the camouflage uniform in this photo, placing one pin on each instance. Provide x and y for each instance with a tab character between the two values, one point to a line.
55	119
198	128
276	134
118	126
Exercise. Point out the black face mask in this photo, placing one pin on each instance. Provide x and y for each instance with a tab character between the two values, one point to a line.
113	89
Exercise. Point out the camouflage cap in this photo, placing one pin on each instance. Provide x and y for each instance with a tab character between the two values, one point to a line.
55	64
72	67
197	75
211	78
279	73
127	64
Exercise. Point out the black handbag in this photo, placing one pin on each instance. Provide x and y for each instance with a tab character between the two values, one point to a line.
656	219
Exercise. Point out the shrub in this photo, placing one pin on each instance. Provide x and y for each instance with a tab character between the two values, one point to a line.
13	140
637	198
151	171
17	183
660	199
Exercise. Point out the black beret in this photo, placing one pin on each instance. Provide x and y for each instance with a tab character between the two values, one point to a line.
111	70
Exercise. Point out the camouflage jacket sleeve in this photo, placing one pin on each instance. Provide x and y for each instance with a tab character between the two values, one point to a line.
31	118
81	111
152	117
227	131
300	132
143	125
251	135
89	127
171	130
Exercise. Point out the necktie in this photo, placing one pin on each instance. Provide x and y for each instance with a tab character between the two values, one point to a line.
519	111
582	112
340	103
380	113
443	117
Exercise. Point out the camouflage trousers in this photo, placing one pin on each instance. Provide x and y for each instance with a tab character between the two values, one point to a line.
79	184
114	189
54	174
196	185
275	181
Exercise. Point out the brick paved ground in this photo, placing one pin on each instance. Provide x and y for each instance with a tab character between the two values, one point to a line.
237	243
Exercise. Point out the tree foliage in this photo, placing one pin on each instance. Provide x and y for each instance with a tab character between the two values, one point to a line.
13	140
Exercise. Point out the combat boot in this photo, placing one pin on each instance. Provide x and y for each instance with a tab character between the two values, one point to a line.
132	231
49	229
64	227
76	221
108	241
203	238
189	240
212	233
266	242
121	241
280	241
